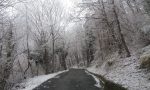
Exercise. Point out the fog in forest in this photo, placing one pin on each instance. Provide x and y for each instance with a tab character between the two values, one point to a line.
108	38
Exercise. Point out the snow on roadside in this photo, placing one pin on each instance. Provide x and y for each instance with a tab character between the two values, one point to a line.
125	72
31	83
96	79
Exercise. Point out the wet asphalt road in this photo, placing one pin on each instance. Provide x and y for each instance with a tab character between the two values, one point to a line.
74	79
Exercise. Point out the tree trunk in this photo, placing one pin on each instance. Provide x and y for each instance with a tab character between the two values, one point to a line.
53	51
120	32
46	62
64	55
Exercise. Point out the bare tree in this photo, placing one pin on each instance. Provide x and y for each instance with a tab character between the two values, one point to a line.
122	42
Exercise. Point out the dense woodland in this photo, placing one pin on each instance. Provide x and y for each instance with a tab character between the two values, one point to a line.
42	36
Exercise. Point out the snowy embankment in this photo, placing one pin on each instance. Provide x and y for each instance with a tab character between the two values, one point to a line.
125	72
96	79
30	84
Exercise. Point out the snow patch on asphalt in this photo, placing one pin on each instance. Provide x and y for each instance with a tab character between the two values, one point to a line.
96	79
31	83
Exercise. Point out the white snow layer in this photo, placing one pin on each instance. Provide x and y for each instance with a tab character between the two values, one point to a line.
125	72
36	81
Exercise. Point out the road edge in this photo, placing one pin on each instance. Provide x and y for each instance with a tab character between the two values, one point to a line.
107	84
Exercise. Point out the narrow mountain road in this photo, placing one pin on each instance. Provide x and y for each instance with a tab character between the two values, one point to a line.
74	79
